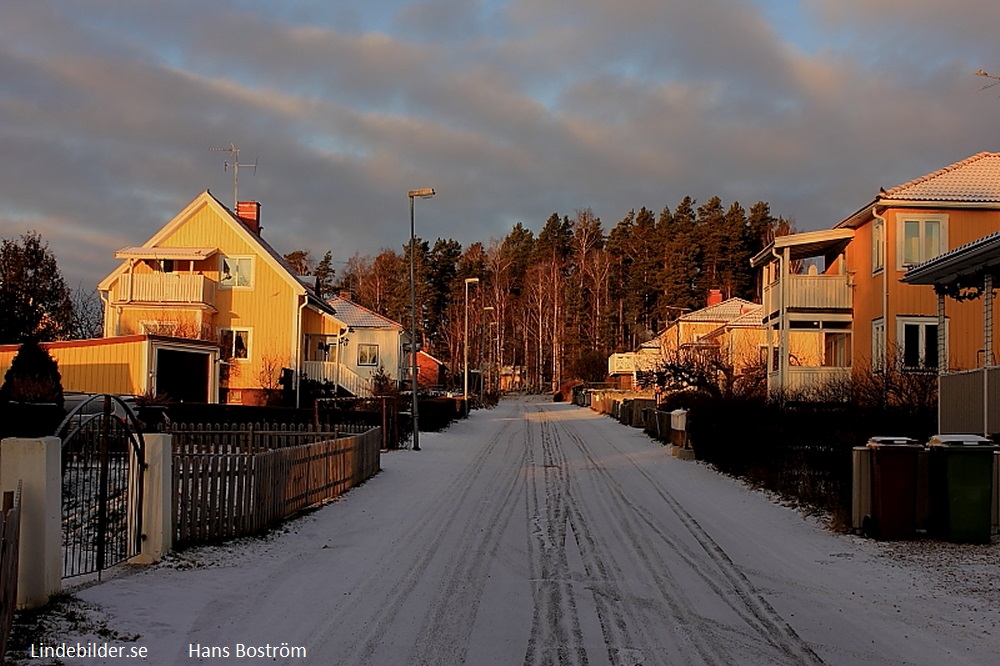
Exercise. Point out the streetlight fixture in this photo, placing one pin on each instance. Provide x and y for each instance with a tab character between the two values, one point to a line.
465	388
424	193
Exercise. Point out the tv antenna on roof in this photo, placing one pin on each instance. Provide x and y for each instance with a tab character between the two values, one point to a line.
235	165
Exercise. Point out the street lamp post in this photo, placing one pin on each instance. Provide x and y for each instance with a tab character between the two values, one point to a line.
424	193
489	356
465	388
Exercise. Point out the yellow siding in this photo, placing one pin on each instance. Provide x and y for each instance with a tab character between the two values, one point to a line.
187	322
112	367
806	348
742	346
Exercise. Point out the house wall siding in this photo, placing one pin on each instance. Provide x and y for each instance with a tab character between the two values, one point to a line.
111	367
964	226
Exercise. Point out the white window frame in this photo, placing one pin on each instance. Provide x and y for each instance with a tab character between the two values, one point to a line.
237	260
878	246
878	344
228	354
368	364
901	323
922	219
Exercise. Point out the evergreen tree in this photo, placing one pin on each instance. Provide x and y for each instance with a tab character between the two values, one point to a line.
441	287
682	260
325	276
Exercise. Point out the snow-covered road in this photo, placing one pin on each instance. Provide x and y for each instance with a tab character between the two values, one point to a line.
541	533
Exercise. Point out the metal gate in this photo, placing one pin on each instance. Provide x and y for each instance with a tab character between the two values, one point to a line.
102	462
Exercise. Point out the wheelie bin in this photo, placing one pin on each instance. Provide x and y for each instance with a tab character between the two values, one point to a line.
894	488
961	488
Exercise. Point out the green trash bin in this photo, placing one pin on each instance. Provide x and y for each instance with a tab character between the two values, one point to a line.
961	488
894	488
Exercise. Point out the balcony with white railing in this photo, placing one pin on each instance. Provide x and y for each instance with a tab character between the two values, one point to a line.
810	292
164	288
806	380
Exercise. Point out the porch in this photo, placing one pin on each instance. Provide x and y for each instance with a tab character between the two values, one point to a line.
340	375
806	381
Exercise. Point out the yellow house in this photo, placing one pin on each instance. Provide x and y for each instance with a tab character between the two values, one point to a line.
728	329
858	308
208	274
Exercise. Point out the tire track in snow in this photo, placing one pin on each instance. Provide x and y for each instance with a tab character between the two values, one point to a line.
448	625
556	635
721	574
675	633
408	561
361	650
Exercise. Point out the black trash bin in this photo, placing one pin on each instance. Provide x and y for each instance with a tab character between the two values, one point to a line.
894	488
961	488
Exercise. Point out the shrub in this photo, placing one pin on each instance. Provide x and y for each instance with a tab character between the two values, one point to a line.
31	397
33	376
802	449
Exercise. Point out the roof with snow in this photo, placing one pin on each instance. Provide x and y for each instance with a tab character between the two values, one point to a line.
357	316
972	181
721	313
725	311
749	319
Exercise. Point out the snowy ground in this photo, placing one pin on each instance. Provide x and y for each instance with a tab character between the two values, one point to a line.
541	533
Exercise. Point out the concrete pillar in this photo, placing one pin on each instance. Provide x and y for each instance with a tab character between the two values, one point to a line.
36	462
157	504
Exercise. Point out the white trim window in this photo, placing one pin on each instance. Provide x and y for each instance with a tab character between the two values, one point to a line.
921	238
368	355
235	343
878	246
878	344
918	342
236	272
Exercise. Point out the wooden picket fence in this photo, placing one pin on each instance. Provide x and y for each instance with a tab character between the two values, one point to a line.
10	532
232	483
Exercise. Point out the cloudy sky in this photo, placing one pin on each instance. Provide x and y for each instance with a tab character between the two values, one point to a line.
512	110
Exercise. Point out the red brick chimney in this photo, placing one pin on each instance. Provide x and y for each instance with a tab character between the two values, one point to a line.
346	295
714	297
249	212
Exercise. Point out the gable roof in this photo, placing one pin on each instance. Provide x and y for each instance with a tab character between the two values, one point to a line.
720	313
725	311
974	179
357	316
749	319
972	182
268	253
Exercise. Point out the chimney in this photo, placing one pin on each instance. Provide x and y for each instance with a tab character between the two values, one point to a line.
346	295
249	212
714	297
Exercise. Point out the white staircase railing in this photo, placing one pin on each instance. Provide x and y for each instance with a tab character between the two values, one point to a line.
349	380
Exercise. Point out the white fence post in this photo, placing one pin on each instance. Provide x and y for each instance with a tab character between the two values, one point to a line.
36	462
157	500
